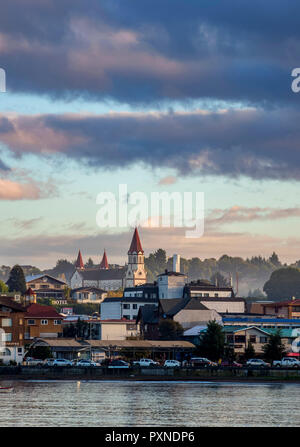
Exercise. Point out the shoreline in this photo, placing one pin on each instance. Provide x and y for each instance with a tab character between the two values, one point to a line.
206	379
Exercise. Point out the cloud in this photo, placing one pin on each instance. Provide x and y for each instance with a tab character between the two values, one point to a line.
11	190
140	52
232	143
31	250
169	180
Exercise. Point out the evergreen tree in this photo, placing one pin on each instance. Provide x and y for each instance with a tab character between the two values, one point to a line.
212	341
16	281
274	349
170	330
249	351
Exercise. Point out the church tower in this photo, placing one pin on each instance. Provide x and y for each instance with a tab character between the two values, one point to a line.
79	263
135	273
104	263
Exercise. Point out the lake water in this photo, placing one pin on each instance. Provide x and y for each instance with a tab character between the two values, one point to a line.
135	403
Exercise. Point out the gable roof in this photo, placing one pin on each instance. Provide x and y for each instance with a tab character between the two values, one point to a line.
11	304
39	311
136	246
30	278
283	303
102	274
175	305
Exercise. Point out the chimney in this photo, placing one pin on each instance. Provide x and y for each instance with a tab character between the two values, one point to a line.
176	263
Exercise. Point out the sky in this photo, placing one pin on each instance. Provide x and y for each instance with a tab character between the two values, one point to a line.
169	96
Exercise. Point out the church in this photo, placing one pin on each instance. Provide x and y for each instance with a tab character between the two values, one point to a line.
106	278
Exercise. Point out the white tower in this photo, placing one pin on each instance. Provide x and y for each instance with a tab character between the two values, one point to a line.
135	273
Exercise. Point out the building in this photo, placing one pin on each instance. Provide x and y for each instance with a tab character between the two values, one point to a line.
91	295
46	286
11	330
42	321
171	284
104	277
121	329
124	307
203	289
284	309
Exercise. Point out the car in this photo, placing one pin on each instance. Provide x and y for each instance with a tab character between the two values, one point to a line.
62	362
258	363
172	364
86	363
30	361
145	362
287	362
118	364
201	362
227	363
48	362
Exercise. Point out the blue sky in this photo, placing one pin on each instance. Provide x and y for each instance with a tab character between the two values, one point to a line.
108	95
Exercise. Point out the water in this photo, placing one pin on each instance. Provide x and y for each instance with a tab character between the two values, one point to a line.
134	403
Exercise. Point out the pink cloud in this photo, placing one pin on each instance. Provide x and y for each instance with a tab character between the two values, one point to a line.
11	190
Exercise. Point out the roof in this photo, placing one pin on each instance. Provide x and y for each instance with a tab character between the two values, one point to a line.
166	273
79	263
11	304
283	303
39	311
136	246
88	289
285	333
148	314
30	278
204	286
194	330
59	342
177	304
104	263
141	344
222	300
102	274
261	320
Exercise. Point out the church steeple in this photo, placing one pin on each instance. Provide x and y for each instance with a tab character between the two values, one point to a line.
104	263
79	263
136	246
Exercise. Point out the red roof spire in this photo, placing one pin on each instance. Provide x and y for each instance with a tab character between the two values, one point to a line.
136	246
79	263
104	263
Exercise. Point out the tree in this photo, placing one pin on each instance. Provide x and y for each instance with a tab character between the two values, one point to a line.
170	330
275	260
212	341
274	349
3	287
16	281
40	352
249	351
90	263
283	284
219	280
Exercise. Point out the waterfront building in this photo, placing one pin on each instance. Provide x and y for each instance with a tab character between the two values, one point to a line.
91	295
42	321
285	309
12	325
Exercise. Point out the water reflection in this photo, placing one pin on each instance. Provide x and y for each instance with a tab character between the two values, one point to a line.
121	403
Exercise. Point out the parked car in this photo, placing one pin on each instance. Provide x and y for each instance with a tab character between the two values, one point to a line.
258	363
227	363
145	362
30	361
62	362
118	364
172	364
287	362
86	363
201	362
48	362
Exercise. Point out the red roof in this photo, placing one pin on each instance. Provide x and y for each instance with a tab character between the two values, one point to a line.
104	263
136	246
79	263
40	311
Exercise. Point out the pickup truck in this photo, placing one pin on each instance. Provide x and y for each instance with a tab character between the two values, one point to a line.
145	362
287	362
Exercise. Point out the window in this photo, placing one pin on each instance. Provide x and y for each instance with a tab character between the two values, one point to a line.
127	317
5	352
31	322
8	336
56	322
252	339
126	306
263	339
206	294
20	321
20	351
6	322
216	295
296	308
20	336
239	339
134	306
44	322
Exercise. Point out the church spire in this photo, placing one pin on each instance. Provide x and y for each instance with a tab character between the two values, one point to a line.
79	263
136	246
104	263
